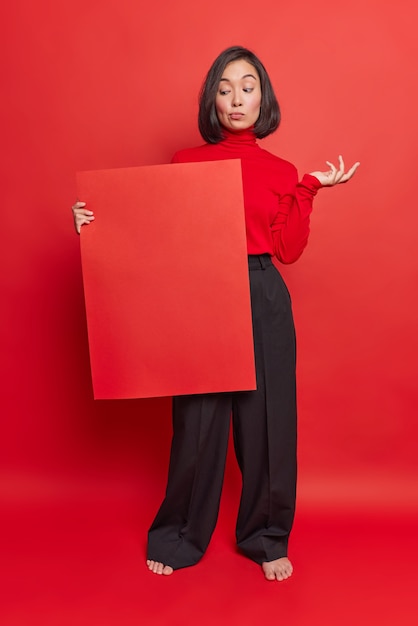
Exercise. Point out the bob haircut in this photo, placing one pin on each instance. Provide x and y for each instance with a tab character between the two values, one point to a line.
209	125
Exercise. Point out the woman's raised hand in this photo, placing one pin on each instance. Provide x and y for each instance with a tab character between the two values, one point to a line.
81	215
335	176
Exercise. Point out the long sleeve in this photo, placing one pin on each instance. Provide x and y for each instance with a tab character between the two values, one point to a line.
290	229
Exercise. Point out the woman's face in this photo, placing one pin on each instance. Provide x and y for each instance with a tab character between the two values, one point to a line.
238	98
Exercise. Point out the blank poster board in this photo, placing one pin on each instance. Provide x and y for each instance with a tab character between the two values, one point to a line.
166	280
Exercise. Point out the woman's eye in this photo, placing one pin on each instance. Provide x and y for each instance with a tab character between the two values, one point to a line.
223	92
248	89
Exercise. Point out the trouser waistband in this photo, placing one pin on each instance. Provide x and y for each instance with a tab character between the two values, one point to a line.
259	261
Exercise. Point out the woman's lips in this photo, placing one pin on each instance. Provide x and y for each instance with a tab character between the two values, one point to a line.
236	116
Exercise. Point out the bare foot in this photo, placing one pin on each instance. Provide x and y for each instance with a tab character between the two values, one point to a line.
280	569
159	568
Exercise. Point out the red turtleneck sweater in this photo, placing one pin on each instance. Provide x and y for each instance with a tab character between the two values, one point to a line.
277	206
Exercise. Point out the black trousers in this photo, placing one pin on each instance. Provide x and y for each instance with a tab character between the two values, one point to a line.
264	427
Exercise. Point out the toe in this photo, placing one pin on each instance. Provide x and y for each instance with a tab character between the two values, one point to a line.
269	573
281	569
159	568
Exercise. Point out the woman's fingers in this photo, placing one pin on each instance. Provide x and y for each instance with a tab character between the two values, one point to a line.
335	176
340	172
82	216
346	177
78	205
332	166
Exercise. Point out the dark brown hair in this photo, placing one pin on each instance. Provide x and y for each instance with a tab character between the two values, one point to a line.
209	125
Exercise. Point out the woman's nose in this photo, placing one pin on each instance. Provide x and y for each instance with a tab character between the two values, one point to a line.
236	102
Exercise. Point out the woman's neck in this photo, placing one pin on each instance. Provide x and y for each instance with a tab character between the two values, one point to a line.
239	137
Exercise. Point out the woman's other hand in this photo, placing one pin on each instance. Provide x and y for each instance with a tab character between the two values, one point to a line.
335	176
81	215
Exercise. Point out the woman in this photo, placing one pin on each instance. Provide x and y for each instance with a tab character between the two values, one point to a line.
237	106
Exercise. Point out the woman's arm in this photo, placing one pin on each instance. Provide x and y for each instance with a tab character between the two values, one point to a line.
290	228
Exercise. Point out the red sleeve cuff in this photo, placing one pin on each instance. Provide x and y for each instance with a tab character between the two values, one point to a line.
311	182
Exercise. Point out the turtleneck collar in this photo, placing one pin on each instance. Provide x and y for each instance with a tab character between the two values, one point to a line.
239	137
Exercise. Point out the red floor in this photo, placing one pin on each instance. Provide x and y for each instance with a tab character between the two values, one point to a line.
77	558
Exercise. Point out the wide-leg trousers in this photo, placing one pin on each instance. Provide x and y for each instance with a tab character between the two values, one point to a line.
264	429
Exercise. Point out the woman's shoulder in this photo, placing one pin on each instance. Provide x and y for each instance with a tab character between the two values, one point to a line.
196	153
279	162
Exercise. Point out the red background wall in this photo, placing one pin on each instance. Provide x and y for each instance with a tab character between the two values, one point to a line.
102	84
